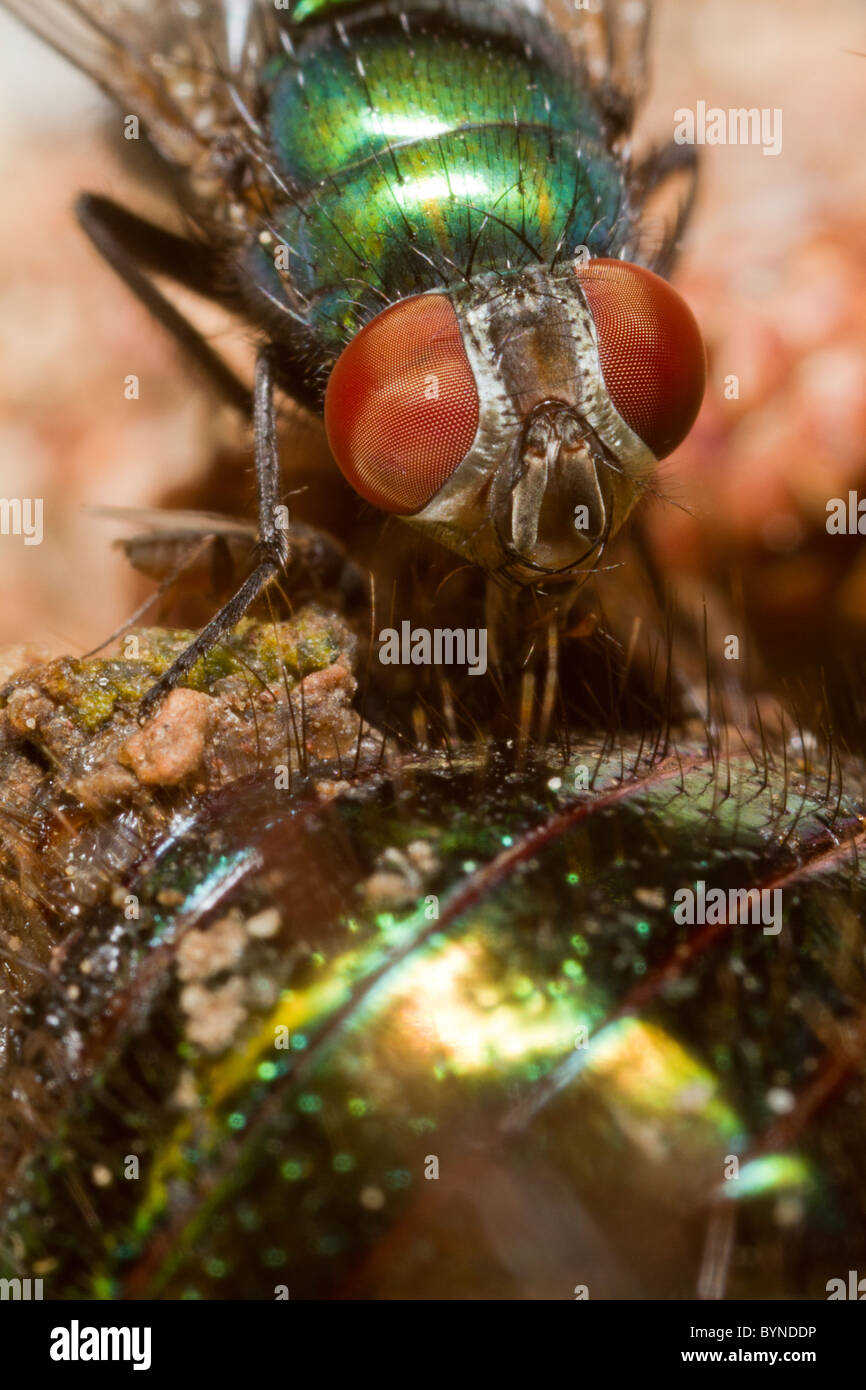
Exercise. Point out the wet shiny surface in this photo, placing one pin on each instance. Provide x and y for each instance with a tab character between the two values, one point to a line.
583	1074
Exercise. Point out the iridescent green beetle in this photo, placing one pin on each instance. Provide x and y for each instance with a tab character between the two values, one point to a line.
431	213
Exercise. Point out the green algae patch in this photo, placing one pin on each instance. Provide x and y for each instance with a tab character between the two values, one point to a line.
90	689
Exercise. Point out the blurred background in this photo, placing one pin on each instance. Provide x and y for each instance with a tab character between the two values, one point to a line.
773	266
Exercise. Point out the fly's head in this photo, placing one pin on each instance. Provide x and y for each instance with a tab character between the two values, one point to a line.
517	420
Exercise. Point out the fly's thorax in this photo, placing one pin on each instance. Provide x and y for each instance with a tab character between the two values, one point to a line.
554	469
306	10
418	141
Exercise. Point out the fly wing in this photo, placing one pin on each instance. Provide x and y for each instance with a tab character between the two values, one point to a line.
167	545
177	523
185	67
611	38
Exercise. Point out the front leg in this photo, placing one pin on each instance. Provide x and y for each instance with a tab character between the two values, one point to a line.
656	180
273	545
132	247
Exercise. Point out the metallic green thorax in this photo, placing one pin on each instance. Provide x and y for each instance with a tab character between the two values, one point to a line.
419	145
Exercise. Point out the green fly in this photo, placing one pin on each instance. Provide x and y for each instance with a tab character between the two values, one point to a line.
432	213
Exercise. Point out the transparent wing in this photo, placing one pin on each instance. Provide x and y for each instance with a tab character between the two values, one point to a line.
166	545
611	38
167	61
176	523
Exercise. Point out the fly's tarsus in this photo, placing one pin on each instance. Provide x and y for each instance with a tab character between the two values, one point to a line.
273	545
211	635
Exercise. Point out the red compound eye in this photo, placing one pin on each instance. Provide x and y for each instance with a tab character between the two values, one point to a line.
401	409
651	350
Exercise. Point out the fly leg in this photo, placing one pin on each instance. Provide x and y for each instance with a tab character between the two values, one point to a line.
136	249
668	164
272	548
129	244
